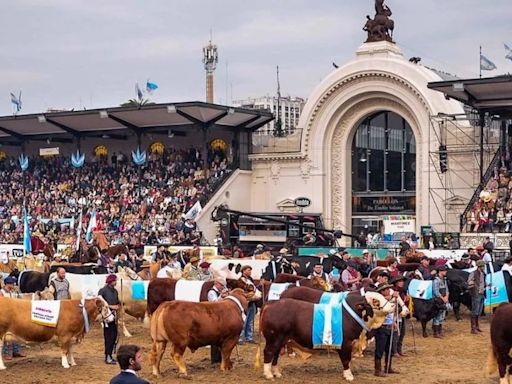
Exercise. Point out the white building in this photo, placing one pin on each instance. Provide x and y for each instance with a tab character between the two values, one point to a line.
290	109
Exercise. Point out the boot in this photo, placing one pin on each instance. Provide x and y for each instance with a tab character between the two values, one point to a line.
109	360
473	325
378	368
437	333
477	325
7	352
440	331
390	369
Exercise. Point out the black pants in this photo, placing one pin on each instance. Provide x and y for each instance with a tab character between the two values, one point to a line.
382	339
110	337
398	339
215	355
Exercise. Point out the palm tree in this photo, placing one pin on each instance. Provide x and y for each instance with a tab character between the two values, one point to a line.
136	103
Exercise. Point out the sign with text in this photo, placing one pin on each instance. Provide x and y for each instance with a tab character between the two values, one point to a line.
383	204
399	223
302	202
45	312
48	151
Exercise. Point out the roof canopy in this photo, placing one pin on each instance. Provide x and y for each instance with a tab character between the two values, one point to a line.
116	122
492	95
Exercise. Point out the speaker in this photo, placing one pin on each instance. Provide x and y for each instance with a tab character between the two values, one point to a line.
443	158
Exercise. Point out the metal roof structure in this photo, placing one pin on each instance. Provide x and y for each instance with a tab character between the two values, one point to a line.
491	95
121	122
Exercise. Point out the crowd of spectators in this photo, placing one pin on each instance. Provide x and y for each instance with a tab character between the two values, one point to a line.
492	212
134	205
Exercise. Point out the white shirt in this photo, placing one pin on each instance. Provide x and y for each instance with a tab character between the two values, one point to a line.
507	267
487	258
131	371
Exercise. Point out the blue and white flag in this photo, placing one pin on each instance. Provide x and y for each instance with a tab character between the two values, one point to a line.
79	231
509	52
91	226
138	92
27	245
16	101
333	298
150	87
496	290
194	211
327	329
420	289
486	64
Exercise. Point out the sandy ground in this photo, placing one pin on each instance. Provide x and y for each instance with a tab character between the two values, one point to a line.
459	358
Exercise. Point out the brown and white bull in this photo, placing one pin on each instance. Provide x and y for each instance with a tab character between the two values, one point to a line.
194	325
15	317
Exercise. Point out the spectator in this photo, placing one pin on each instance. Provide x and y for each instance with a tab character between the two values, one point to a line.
191	270
130	362
351	277
123	262
205	274
476	286
59	286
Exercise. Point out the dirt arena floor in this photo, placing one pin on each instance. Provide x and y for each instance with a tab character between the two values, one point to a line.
459	358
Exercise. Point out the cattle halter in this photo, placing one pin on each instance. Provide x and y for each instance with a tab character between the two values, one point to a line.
239	305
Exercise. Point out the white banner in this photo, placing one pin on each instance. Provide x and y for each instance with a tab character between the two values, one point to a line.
206	252
258	266
399	223
45	312
15	250
48	151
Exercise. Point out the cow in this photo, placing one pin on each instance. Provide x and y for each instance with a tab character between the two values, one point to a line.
80	269
290	319
194	325
163	289
501	342
32	281
15	318
458	288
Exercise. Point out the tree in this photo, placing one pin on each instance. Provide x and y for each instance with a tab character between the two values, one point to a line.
136	103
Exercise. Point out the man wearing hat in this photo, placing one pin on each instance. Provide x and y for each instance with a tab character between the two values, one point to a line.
424	269
351	277
9	290
109	293
383	337
382	278
260	248
218	292
398	283
247	331
440	292
191	270
205	274
476	286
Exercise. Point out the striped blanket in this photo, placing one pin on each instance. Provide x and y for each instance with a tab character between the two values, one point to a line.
327	329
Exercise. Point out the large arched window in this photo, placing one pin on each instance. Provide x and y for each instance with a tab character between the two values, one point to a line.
384	155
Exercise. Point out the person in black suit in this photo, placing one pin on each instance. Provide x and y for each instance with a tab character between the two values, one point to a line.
129	357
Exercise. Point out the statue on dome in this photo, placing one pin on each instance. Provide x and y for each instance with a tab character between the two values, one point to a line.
381	27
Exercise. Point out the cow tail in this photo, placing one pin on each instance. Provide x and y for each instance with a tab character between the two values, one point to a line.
257	359
492	363
147	320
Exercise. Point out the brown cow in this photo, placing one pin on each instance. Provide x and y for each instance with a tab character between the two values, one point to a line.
293	319
501	342
160	290
15	318
194	325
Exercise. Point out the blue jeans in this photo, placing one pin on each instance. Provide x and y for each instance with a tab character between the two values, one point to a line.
247	330
439	318
15	347
477	304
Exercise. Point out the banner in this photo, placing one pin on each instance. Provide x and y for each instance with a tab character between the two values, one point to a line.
496	290
420	289
48	151
206	252
45	312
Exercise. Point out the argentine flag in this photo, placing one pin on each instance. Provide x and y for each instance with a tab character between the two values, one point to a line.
27	246
79	231
91	226
150	87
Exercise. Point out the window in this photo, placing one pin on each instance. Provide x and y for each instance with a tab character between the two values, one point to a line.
384	155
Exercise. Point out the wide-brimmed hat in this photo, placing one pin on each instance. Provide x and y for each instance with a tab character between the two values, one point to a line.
194	259
383	287
365	251
204	264
441	268
397	278
245	267
9	280
260	246
283	250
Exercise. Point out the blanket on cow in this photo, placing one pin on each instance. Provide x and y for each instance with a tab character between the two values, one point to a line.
333	298
420	289
188	290
327	329
45	312
496	290
140	289
276	289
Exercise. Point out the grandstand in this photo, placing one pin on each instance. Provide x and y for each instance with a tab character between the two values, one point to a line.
192	148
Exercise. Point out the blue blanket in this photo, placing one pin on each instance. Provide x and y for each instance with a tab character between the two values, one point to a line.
333	298
420	289
140	290
4	275
496	291
327	329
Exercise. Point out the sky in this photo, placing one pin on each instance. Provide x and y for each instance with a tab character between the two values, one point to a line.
78	54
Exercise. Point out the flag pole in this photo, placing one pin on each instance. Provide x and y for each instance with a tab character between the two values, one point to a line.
480	61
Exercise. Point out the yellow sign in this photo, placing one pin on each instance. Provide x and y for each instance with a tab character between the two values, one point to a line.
100	150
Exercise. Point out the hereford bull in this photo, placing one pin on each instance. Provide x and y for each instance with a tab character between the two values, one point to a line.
290	319
501	342
15	318
194	325
161	290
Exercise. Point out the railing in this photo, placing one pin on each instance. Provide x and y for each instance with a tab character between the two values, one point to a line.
476	195
288	142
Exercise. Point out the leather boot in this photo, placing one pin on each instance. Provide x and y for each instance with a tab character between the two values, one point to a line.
440	331
477	325
473	325
437	333
390	369
378	368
